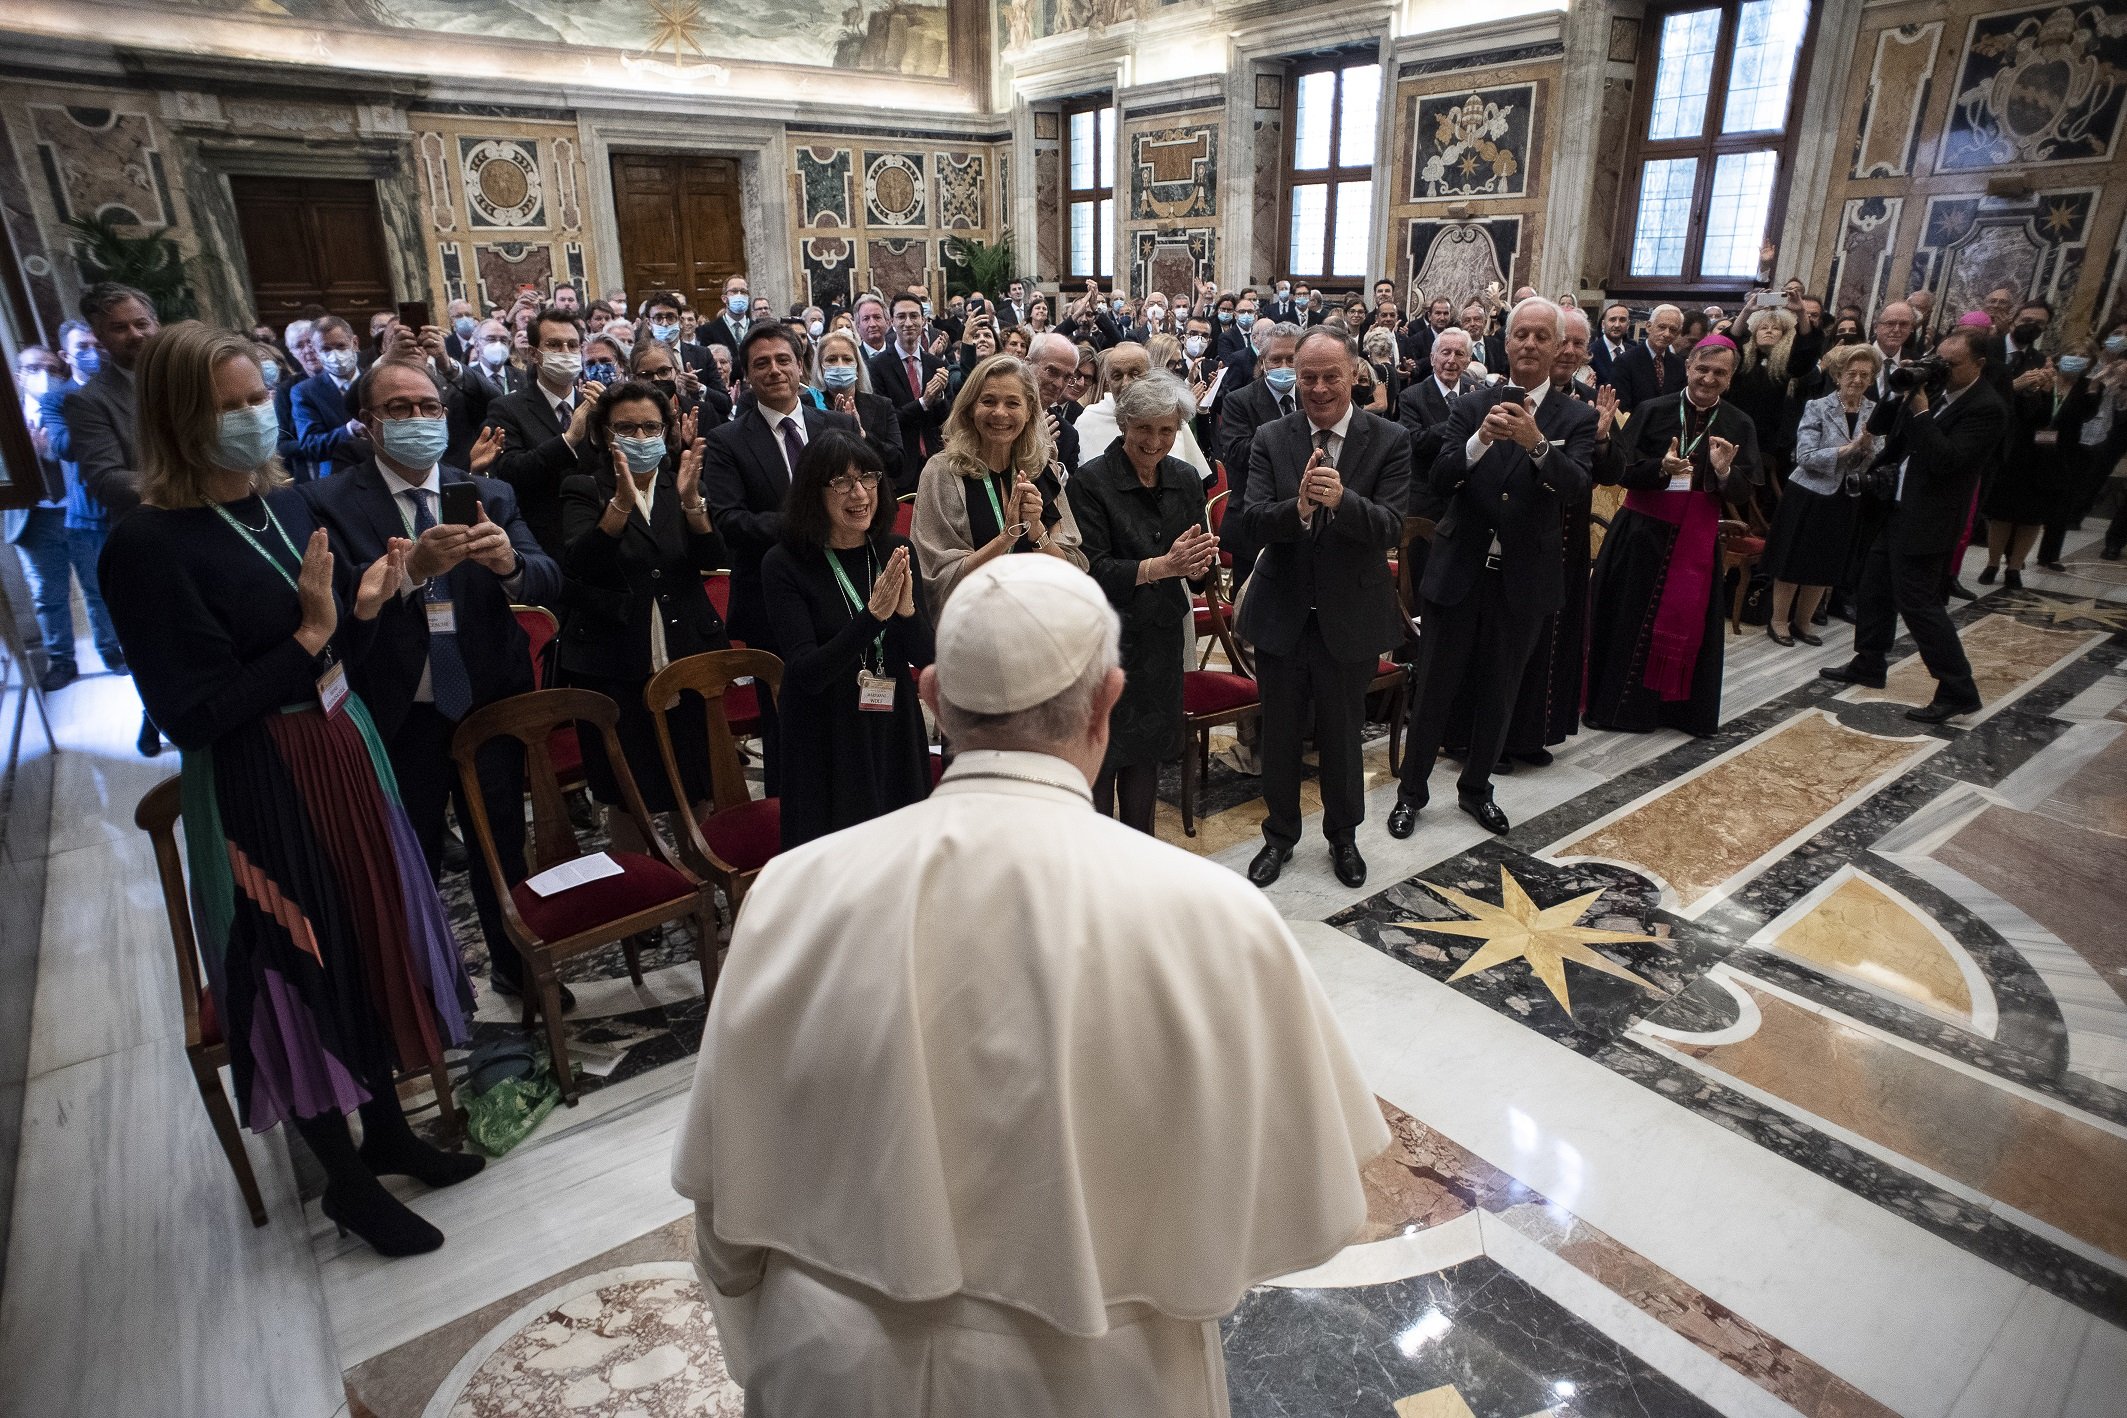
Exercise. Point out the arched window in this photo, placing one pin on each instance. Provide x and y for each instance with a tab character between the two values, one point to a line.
1719	99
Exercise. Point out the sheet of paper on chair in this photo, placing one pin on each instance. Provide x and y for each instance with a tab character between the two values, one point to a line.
580	872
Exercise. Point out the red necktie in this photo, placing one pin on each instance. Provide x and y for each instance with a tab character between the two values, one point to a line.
915	384
1658	373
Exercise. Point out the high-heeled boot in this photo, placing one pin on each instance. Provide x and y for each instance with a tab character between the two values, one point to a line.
389	1148
355	1200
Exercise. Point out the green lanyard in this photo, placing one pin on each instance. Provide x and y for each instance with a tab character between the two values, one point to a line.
876	660
989	485
1683	404
245	532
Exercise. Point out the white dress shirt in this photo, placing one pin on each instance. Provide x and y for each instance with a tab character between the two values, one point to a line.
407	497
775	420
1475	448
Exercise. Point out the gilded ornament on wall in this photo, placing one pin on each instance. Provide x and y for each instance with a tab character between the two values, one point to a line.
2042	85
1473	144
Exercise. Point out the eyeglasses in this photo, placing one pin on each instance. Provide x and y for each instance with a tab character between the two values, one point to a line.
413	409
850	482
639	430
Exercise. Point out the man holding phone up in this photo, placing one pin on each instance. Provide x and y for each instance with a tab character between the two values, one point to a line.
449	642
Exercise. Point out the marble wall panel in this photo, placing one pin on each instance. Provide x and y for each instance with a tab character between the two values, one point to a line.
829	270
1263	262
895	190
1048	211
902	200
101	162
2040	85
1472	145
504	188
1173	170
821	185
2033	245
503	266
896	263
961	192
1173	260
516	185
1461	260
1899	80
1861	266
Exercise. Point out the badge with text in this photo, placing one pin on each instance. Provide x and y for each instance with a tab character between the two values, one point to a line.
2045	438
875	693
442	618
332	688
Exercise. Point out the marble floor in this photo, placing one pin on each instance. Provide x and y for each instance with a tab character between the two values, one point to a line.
1779	1072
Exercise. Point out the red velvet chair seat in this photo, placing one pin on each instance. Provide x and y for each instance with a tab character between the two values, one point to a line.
1387	667
567	752
1745	546
746	836
742	710
643	882
210	1018
1216	691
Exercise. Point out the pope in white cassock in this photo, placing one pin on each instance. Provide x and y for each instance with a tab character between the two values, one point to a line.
1002	1106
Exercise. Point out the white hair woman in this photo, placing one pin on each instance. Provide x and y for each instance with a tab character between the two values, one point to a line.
1140	510
1812	544
993	489
1120	367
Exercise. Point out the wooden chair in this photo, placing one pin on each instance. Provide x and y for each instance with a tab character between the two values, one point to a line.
1211	698
541	629
650	891
742	707
1743	536
740	833
905	515
206	1047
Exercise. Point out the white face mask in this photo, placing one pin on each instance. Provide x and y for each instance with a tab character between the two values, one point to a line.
340	362
495	353
1194	347
570	363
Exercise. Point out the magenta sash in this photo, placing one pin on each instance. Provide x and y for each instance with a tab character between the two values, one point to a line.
1680	616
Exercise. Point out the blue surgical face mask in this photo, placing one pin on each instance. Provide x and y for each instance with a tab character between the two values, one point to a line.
1225	317
601	371
247	437
1281	381
2116	344
926	310
738	305
86	362
643	454
664	332
1246	319
1118	306
838	376
2072	365
271	368
413	443
464	325
341	363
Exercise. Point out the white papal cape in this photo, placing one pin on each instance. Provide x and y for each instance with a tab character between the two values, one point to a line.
1001	1106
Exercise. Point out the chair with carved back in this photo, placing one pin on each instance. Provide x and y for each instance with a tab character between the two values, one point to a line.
541	629
206	1045
651	889
736	837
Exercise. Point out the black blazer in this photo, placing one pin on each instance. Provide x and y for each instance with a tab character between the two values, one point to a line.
1640	464
1633	376
1945	451
714	331
1600	361
919	425
359	514
535	458
882	430
1423	411
745	480
1338	569
611	586
716	395
1510	495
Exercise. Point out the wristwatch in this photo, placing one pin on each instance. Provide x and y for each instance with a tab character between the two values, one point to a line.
1541	451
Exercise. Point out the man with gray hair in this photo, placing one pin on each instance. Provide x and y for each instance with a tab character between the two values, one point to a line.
1262	400
1055	360
1651	368
928	1174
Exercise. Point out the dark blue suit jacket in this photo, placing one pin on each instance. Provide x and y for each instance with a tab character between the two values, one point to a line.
359	514
321	436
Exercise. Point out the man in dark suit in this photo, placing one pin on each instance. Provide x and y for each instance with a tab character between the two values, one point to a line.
1282	308
327	434
729	325
1055	360
1505	468
543	426
746	468
1649	368
1614	338
1423	412
1012	310
463	324
1939	444
662	322
915	380
449	642
1326	489
1257	404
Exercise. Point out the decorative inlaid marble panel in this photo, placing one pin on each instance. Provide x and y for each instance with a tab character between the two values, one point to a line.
1858	928
1174	173
960	191
1462	260
823	181
896	264
1702	833
894	189
1624	39
1048	209
503	185
1898	85
504	266
1174	260
568	207
97	162
2033	245
829	278
2042	85
2064	876
2006	655
433	154
1472	143
1861	264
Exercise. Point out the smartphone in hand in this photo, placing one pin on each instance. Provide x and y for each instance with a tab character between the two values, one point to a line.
460	504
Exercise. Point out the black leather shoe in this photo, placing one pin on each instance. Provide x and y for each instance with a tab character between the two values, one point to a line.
2110	553
1402	821
1268	862
2051	566
1504	768
1808	638
1941	710
57	676
1986	576
1535	757
1487	813
1345	860
1959	591
150	741
1851	673
2012	580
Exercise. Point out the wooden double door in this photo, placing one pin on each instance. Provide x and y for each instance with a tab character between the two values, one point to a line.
313	241
680	225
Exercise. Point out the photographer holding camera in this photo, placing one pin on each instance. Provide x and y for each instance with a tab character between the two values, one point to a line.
1942	424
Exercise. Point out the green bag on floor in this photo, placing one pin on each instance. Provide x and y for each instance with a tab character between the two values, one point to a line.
509	1090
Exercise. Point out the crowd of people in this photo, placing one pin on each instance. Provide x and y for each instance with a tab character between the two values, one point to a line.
306	546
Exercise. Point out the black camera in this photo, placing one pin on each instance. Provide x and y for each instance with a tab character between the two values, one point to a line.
1927	372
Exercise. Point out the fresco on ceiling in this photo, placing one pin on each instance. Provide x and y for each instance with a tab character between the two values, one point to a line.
911	37
1021	22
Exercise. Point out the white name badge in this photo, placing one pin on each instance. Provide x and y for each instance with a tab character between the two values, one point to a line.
332	688
2045	438
1682	484
875	693
442	618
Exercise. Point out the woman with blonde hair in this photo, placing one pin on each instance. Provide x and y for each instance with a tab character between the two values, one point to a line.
329	957
1812	543
1120	367
993	489
1764	388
